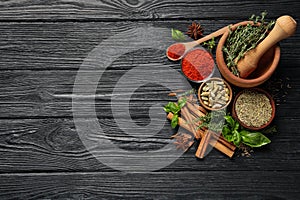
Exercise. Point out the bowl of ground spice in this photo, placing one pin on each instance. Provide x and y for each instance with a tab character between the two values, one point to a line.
254	108
197	65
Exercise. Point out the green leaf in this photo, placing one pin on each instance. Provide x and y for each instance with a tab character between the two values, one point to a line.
167	108
177	110
178	35
226	132
171	107
236	138
210	44
230	121
236	126
174	121
254	139
182	102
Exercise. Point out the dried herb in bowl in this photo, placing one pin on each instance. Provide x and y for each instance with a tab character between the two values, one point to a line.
245	38
253	108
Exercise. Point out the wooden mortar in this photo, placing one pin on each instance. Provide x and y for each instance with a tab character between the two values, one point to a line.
285	27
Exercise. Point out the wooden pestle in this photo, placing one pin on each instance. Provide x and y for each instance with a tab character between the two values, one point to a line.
284	27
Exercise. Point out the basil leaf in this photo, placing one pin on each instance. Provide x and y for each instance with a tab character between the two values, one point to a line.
236	126
167	108
226	132
229	120
236	138
178	35
254	139
172	107
174	121
182	102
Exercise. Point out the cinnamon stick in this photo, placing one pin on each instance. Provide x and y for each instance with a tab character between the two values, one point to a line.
224	149
200	153
185	114
191	99
194	109
218	141
220	138
220	146
181	122
200	108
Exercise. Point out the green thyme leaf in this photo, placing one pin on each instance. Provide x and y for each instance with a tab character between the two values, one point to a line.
178	35
210	44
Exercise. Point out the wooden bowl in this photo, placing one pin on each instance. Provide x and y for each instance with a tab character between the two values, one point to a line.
214	79
263	72
234	114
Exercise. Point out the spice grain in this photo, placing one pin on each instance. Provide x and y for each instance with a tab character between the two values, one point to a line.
253	108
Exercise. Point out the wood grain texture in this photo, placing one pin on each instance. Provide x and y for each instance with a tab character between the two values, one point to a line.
135	9
54	145
44	137
173	185
65	45
29	93
43	44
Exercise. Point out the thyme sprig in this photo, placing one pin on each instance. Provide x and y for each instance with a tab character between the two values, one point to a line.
210	44
245	38
213	120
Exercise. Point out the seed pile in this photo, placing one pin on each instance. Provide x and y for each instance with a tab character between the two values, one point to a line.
215	94
253	108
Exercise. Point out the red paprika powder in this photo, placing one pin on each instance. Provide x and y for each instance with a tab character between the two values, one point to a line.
175	51
197	64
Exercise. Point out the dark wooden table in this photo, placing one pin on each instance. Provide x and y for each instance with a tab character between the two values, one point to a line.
43	45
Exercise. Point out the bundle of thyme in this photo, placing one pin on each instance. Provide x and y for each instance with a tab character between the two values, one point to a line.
245	38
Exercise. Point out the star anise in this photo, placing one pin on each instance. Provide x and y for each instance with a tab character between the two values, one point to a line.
195	31
183	141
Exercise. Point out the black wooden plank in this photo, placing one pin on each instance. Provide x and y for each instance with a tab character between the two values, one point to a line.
47	93
42	156
124	10
27	93
190	185
31	145
66	45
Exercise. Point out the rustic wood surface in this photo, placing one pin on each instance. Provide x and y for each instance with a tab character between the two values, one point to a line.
42	46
